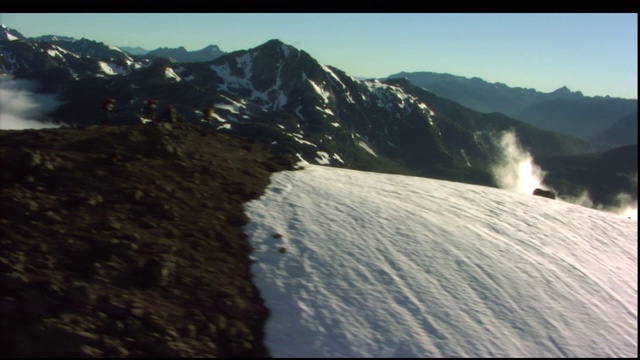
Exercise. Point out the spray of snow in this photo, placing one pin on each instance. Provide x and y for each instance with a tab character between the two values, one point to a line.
516	170
627	205
21	108
583	199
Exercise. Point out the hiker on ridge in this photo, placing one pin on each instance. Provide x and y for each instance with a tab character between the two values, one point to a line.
107	106
207	114
150	109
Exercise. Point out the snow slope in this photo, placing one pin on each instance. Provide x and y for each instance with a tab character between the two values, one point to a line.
383	265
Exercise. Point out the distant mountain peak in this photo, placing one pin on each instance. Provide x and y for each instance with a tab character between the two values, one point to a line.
565	91
180	54
179	48
275	47
274	42
562	90
10	34
213	47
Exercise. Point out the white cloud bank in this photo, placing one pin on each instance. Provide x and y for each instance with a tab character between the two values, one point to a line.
383	265
21	108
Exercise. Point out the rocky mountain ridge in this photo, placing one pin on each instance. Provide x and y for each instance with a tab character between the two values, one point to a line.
180	54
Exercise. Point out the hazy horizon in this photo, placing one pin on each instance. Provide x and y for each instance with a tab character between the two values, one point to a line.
592	53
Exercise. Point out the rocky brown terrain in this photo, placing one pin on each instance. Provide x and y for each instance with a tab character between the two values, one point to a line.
127	241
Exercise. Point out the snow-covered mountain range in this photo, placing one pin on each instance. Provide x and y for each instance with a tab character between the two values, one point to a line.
279	94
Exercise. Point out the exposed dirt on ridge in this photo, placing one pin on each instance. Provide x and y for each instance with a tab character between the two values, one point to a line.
127	241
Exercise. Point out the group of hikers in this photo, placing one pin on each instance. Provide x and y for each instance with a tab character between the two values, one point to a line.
170	113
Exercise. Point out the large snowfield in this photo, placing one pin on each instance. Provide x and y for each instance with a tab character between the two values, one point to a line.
381	265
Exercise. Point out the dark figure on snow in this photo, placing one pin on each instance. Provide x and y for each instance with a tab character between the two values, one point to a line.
546	193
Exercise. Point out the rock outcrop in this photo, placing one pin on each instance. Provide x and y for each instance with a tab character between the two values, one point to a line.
127	241
545	193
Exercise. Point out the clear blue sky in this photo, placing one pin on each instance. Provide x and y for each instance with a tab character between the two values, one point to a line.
593	53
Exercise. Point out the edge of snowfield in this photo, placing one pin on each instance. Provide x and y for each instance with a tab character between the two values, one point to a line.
380	265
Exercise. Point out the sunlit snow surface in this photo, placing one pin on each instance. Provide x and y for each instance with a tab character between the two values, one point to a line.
392	266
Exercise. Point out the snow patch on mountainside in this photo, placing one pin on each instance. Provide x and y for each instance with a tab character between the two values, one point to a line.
323	158
325	110
230	82
393	98
126	56
336	80
111	69
323	93
285	50
299	138
424	107
244	62
170	74
57	51
11	37
364	145
232	106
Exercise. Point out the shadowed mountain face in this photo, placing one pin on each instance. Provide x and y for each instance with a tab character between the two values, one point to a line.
562	110
582	118
623	132
127	241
